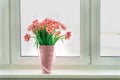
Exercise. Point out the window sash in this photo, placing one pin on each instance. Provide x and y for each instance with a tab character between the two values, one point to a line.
15	38
95	38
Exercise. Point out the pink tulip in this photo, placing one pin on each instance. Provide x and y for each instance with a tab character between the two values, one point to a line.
67	35
63	27
27	37
49	30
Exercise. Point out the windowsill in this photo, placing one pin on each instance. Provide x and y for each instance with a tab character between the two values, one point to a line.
61	73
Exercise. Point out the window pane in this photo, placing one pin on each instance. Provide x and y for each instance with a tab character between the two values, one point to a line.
110	28
65	11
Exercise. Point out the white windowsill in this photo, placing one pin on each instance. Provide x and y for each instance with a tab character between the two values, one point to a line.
61	73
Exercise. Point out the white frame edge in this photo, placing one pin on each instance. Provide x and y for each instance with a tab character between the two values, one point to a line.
4	59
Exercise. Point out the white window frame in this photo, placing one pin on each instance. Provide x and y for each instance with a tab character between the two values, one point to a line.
4	32
90	37
95	38
15	38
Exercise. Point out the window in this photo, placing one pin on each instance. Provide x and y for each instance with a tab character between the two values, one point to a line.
79	44
105	32
94	25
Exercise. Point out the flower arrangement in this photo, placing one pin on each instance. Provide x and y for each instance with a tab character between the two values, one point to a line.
47	32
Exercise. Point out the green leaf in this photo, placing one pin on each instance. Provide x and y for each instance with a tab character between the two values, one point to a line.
61	40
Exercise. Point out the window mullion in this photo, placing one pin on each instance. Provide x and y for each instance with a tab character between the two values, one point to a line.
85	27
95	31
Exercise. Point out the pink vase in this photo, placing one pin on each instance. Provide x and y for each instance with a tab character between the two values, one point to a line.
47	57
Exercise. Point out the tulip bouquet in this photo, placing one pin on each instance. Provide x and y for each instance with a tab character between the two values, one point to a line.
47	32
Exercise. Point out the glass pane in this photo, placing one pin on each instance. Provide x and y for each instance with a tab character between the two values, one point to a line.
65	11
110	28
